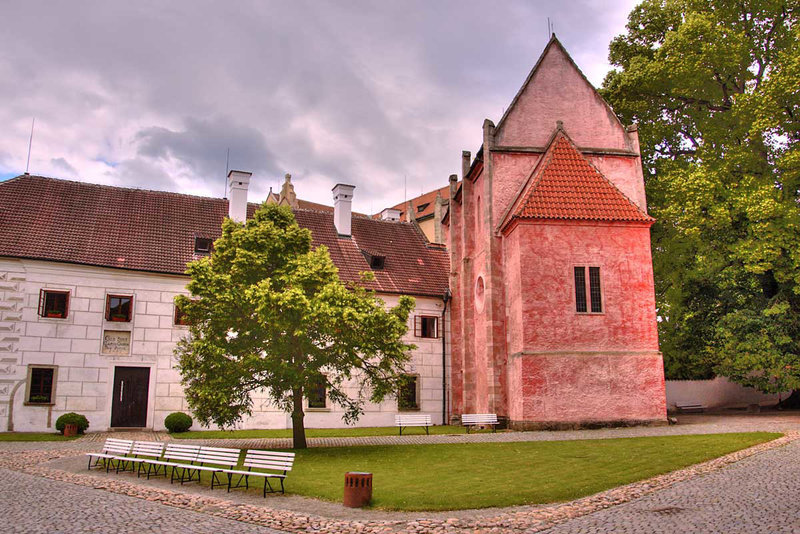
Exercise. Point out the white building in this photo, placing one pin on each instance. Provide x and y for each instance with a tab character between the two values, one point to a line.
88	274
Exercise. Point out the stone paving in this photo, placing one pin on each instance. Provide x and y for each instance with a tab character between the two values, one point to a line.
756	495
36	505
654	505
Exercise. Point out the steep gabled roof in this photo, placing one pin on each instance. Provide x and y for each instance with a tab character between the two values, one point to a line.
77	222
550	89
565	185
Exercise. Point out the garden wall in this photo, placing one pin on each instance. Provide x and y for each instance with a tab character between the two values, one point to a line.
715	393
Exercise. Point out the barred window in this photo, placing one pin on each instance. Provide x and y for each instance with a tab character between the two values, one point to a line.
580	289
408	395
588	295
40	385
318	395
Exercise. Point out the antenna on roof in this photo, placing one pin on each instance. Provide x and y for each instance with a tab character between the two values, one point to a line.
550	28
30	144
227	161
405	188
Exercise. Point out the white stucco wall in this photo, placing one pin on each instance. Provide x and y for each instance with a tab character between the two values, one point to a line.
85	376
715	393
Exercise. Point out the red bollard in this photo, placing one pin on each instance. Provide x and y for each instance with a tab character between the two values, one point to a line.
357	489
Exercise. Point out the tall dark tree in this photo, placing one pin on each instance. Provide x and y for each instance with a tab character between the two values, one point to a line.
715	88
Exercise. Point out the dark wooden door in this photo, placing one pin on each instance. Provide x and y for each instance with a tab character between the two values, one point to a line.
129	404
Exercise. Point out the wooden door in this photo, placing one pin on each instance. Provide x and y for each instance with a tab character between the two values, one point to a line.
129	403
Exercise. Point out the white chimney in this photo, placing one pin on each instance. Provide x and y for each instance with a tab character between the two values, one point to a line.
238	182
390	214
343	207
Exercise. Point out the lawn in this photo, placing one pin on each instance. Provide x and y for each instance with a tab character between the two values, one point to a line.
34	436
320	432
480	475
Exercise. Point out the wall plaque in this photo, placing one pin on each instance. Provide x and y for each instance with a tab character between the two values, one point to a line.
117	343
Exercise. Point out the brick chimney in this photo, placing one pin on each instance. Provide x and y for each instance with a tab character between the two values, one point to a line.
238	182
343	208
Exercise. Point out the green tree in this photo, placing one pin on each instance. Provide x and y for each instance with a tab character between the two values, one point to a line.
714	86
267	312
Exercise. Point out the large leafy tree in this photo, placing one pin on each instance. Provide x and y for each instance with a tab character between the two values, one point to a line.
267	312
714	86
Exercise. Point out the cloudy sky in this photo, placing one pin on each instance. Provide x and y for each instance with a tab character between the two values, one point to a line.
372	93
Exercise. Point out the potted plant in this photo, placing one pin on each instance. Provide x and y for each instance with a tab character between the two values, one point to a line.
119	317
55	314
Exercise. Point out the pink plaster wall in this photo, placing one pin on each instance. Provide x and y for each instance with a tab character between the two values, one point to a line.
599	387
548	253
511	172
558	92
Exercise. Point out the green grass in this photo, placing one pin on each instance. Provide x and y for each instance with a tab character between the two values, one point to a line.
34	436
320	432
480	475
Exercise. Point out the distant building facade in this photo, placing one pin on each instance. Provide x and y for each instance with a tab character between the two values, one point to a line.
532	277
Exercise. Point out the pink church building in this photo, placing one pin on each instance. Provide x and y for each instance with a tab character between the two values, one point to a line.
553	319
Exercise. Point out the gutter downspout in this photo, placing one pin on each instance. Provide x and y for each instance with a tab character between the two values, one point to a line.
445	299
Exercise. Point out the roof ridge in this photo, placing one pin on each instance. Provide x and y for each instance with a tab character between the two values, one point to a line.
107	186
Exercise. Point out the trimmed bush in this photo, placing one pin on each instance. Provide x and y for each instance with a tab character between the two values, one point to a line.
178	422
72	418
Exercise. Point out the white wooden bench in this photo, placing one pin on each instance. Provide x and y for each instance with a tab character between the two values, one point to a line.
141	452
687	407
214	460
175	457
478	419
403	421
113	448
277	465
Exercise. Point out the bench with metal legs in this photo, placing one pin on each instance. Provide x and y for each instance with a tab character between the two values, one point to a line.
113	449
279	463
403	421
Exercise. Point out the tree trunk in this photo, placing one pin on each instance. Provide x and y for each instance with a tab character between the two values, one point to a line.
298	428
790	402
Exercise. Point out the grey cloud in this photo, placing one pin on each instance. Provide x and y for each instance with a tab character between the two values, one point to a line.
361	91
62	164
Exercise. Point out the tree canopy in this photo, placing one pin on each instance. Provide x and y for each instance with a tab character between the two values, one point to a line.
267	312
714	86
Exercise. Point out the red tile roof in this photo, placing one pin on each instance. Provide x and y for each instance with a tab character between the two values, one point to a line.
565	185
77	222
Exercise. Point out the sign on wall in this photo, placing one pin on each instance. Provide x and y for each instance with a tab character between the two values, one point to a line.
117	343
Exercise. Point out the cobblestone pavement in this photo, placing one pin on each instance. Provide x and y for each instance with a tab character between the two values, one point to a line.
37	505
752	490
756	495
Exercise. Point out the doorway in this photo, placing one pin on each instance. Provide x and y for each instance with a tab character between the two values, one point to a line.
129	401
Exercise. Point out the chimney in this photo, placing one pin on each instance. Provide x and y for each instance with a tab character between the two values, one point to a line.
343	208
238	182
390	214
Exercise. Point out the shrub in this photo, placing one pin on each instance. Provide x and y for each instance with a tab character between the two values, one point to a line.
74	419
178	422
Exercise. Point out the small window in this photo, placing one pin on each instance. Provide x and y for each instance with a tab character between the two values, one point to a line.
588	298
426	326
203	245
40	385
407	396
119	308
375	261
422	207
180	318
318	395
594	289
580	289
53	304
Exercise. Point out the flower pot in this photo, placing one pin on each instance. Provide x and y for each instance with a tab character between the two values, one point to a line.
55	315
70	429
119	318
